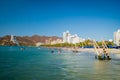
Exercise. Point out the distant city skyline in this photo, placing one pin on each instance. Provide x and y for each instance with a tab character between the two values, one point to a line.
95	19
70	38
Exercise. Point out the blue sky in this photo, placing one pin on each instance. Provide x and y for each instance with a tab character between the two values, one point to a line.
96	19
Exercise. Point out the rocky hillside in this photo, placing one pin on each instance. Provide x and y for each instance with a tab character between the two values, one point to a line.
27	40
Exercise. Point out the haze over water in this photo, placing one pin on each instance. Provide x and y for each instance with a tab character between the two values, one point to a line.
40	64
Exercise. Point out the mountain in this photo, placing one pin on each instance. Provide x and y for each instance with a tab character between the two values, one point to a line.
27	40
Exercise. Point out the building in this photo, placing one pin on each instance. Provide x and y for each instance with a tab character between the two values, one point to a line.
39	44
14	40
117	37
68	38
48	41
110	40
57	41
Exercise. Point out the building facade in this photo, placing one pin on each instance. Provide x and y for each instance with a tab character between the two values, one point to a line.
57	41
68	38
117	37
39	44
14	40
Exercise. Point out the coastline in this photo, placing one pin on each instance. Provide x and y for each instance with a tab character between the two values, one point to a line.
92	50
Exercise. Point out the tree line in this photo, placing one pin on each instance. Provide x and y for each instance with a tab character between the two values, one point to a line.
81	44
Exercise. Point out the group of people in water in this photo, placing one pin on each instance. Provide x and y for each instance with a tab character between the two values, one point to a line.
59	51
104	55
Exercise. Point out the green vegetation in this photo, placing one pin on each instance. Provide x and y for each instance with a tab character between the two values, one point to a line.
81	44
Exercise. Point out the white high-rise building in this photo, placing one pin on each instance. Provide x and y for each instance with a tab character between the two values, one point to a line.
14	40
68	38
117	37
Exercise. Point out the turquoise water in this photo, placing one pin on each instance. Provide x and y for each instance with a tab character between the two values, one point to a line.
40	64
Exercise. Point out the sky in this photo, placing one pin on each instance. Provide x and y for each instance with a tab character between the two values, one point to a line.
94	19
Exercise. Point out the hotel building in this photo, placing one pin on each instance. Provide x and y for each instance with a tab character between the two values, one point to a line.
68	38
117	37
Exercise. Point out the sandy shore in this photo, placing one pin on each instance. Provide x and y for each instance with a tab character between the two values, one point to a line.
92	50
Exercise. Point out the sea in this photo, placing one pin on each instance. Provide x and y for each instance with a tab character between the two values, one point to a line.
38	63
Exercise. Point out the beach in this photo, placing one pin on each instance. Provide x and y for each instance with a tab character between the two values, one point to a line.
92	50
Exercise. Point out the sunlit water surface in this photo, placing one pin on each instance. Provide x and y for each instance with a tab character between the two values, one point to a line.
40	64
